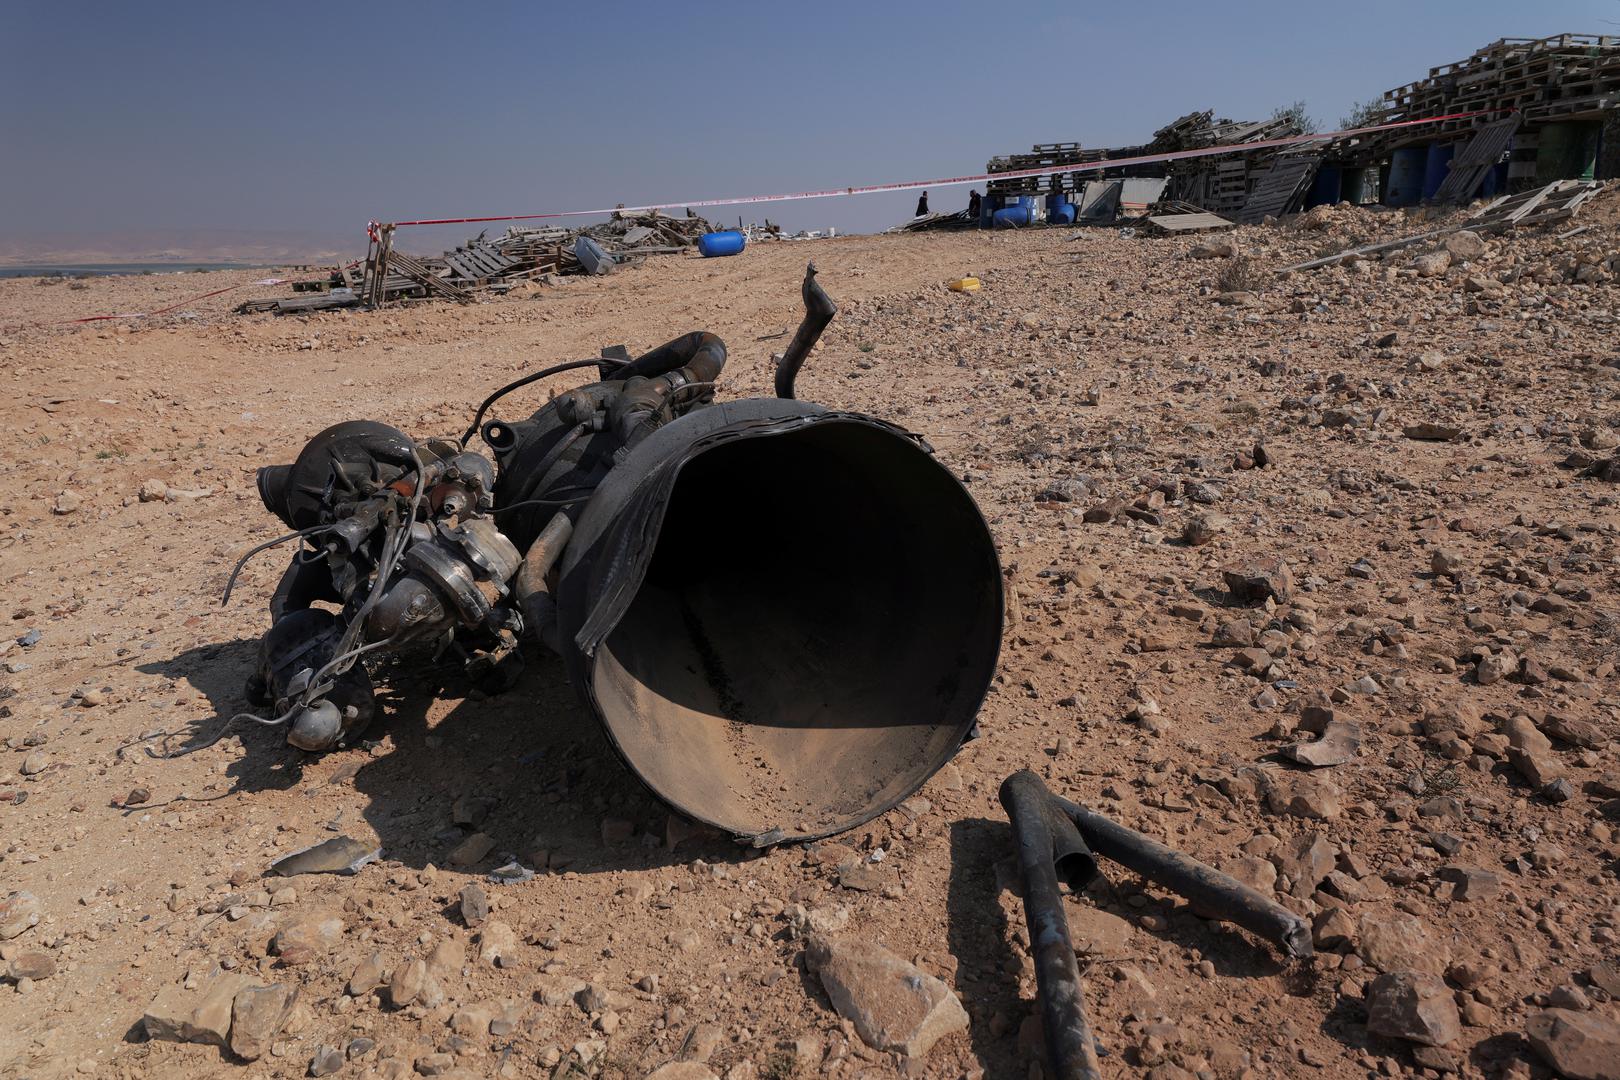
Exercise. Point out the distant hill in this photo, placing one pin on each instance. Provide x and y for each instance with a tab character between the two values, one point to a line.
259	246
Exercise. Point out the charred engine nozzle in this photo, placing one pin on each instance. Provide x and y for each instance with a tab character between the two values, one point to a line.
785	617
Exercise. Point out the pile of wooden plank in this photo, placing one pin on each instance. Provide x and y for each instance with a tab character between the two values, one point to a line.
482	264
1554	202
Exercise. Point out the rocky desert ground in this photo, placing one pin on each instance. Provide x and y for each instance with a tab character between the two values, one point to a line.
1310	576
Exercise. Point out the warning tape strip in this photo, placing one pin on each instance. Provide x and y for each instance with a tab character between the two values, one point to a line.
869	189
955	181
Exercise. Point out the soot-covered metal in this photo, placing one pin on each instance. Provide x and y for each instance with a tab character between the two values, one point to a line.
785	617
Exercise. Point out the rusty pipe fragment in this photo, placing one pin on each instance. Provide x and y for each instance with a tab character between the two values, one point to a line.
1050	846
1206	887
538	606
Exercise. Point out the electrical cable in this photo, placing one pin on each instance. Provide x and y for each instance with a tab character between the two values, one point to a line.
230	582
555	369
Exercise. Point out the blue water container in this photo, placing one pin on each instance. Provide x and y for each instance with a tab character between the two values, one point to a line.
988	205
1059	210
1325	189
712	245
1406	167
1435	166
1496	181
1011	217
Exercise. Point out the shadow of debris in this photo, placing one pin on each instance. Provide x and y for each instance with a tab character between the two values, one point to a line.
529	768
977	935
220	671
531	764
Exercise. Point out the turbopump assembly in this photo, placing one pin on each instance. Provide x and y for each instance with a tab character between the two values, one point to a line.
785	617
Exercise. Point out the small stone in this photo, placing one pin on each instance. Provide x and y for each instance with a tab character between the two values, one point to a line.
1257	580
1579	1045
1340	743
66	503
153	491
327	1060
497	944
893	1004
683	1070
1302	795
554	989
258	1014
1470	882
181	1015
1395	941
1465	244
1427	431
471	850
474	905
368	975
33	964
1415	1006
308	936
406	983
1333	927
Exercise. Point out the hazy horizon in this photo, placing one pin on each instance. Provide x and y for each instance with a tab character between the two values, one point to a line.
194	127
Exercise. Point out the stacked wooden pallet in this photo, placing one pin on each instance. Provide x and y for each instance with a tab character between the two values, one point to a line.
1550	78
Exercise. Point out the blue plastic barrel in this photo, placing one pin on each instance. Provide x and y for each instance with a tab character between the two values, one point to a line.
1011	217
1325	188
988	205
1059	210
715	244
1406	168
1435	166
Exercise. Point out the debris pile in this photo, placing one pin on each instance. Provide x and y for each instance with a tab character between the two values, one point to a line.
521	255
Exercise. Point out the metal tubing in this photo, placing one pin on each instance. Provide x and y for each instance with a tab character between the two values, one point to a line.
1069	1043
1206	887
539	608
818	312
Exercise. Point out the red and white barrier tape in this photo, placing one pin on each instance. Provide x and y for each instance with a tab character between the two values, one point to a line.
871	189
949	181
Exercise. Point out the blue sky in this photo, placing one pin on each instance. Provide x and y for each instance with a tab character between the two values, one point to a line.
318	117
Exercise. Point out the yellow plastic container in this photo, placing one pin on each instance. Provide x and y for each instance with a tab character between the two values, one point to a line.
967	284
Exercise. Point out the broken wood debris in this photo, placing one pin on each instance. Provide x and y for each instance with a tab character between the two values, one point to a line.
1554	202
482	264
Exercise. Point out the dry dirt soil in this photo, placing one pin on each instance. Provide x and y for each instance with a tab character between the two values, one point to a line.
1448	617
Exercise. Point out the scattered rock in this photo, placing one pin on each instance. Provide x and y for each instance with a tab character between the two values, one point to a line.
258	1014
1340	742
308	936
471	850
1258	580
893	1004
18	912
33	964
1465	244
497	944
1429	431
181	1015
1415	1006
1395	941
1580	1045
474	905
